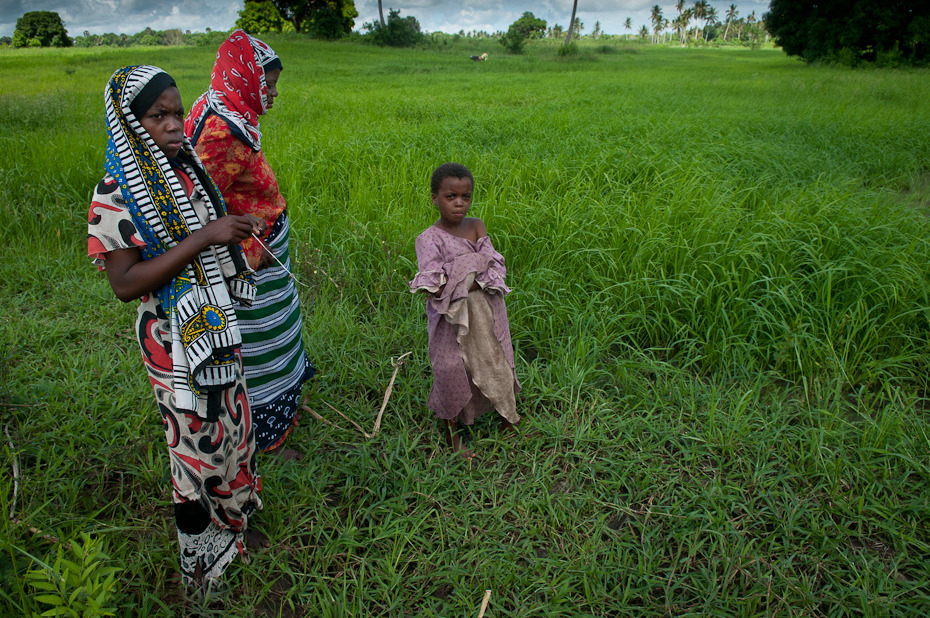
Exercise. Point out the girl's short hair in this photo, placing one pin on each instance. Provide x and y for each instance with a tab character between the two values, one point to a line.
449	170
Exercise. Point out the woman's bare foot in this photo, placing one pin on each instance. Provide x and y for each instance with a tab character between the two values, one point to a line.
285	454
256	540
455	440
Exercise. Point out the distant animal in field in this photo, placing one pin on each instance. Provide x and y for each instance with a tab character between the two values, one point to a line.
479	58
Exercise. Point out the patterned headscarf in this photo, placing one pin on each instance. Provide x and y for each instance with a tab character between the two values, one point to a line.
238	93
198	301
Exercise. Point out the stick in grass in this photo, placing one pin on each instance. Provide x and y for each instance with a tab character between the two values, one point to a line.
387	393
387	396
484	603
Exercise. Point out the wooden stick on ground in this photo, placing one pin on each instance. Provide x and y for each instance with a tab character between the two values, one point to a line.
484	603
387	396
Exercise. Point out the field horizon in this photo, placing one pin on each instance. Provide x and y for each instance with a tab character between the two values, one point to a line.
720	270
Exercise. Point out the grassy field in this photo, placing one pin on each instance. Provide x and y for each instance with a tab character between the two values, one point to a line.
720	270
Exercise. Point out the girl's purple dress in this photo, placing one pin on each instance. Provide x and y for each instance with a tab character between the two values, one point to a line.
469	336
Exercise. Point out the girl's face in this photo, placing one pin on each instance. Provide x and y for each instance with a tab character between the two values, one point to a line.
271	86
453	199
164	121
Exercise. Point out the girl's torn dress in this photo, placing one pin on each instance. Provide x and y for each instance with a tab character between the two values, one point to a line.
469	336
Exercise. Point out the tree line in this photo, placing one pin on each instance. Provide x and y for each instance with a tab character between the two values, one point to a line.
851	32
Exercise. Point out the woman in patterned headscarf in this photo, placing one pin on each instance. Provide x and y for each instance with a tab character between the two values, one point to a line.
223	125
157	225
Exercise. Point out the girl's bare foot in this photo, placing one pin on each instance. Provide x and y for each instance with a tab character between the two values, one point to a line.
455	440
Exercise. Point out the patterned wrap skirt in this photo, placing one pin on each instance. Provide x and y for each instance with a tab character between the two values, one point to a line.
276	365
212	463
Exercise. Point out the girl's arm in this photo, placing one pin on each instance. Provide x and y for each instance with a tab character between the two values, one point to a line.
131	277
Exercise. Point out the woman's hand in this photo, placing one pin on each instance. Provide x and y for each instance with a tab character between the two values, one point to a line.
228	230
259	226
131	277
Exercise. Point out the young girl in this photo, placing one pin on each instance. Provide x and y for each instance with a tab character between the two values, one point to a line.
469	337
157	227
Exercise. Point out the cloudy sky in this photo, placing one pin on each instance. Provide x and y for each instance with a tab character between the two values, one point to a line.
131	16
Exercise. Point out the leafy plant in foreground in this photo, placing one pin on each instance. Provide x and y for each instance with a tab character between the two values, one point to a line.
78	583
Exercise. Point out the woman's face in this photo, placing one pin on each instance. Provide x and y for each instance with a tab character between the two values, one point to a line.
271	85
164	121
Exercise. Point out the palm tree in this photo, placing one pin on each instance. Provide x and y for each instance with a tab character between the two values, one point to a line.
699	12
571	24
731	17
681	25
381	14
750	21
628	24
643	32
656	16
710	20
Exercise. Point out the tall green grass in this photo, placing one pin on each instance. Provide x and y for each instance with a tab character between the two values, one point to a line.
719	264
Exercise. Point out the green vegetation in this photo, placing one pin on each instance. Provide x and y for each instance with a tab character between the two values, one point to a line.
720	265
888	34
325	19
40	29
397	31
261	16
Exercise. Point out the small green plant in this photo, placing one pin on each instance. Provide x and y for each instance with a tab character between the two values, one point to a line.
78	584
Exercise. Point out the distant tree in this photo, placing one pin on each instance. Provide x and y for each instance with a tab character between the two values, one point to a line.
571	24
530	26
327	23
681	26
260	16
655	14
710	20
5	40
40	29
643	32
399	31
731	17
597	32
526	27
852	31
556	31
699	14
319	17
628	24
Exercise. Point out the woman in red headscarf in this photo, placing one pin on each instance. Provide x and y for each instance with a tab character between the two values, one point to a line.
223	125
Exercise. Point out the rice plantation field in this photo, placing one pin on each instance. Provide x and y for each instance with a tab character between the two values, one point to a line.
720	263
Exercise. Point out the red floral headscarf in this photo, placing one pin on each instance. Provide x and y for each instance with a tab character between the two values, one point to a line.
238	93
